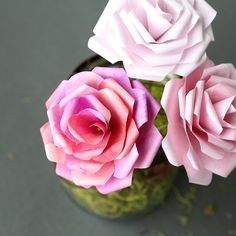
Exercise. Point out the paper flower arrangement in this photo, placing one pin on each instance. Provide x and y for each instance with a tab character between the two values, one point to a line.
102	123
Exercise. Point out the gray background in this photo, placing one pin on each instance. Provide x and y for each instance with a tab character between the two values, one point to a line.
41	42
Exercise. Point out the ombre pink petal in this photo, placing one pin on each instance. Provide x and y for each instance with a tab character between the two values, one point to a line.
57	95
89	78
54	116
88	126
131	138
119	90
86	151
63	172
70	109
98	178
100	126
125	165
115	184
118	124
97	105
117	74
153	106
63	142
148	144
54	154
81	91
46	134
76	164
140	107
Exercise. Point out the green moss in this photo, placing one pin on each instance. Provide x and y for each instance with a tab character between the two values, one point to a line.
183	220
157	233
149	189
186	200
232	232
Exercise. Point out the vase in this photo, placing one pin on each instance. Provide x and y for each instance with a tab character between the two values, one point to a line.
149	187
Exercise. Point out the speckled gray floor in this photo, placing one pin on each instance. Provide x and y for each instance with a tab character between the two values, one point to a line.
41	42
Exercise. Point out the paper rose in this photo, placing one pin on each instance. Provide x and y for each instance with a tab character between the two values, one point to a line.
100	128
154	38
201	111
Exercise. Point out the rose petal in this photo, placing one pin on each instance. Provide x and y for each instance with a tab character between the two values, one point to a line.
148	144
125	165
115	184
98	178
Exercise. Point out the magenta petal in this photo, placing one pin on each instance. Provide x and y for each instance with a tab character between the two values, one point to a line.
140	107
89	78
117	74
57	95
124	166
115	184
148	144
153	106
70	109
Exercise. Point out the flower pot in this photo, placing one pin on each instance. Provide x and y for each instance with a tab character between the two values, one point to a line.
149	187
148	191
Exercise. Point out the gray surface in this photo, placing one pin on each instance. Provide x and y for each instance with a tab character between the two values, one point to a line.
40	43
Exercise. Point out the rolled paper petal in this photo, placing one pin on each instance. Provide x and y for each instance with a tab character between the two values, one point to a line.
125	165
148	145
83	90
75	164
153	106
98	178
117	74
202	176
124	95
76	81
115	184
57	95
45	131
140	107
119	124
221	167
54	153
63	171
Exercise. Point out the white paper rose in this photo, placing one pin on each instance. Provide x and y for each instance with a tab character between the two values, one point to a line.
154	38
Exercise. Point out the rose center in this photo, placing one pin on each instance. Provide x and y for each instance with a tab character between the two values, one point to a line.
88	127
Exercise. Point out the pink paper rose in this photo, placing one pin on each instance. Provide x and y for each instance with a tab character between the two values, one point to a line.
100	128
201	111
154	38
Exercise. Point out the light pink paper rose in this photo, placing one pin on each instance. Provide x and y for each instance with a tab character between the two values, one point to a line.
154	38
201	111
100	128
